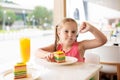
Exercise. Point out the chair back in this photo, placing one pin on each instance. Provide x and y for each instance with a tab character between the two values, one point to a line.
109	55
92	58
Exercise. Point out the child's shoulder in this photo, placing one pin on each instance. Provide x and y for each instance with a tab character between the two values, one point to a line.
80	43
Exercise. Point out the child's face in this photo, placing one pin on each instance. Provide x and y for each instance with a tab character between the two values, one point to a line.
68	32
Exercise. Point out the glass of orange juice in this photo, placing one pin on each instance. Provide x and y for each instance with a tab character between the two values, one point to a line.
25	49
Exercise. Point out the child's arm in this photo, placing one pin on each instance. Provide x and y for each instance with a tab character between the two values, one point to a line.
100	38
45	53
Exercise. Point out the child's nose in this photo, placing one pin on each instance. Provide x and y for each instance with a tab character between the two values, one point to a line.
70	34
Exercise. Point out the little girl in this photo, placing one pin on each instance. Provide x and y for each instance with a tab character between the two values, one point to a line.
66	40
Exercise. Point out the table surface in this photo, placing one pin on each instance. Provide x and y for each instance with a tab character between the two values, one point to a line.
76	71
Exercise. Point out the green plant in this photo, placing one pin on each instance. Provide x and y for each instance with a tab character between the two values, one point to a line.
118	25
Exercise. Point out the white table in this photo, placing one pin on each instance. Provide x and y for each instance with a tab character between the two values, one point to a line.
77	71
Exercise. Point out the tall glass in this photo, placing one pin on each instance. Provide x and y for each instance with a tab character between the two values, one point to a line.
25	49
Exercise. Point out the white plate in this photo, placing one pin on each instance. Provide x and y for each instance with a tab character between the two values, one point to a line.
69	60
9	75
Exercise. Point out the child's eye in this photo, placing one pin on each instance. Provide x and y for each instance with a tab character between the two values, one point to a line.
73	31
66	31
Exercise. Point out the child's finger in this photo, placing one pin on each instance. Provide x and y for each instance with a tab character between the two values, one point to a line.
49	57
52	57
83	29
82	26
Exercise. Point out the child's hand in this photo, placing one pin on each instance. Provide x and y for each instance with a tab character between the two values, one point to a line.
50	57
84	27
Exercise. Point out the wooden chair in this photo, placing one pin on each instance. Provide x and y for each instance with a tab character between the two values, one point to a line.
110	60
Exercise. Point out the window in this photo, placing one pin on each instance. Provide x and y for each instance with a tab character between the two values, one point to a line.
75	9
32	19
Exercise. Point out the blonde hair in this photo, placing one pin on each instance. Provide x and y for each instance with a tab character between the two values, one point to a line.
59	26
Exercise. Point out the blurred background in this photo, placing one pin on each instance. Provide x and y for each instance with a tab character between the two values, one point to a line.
36	19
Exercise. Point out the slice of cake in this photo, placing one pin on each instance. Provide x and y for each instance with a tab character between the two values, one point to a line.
59	56
20	71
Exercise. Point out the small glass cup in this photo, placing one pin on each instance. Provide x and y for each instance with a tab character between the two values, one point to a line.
25	49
